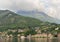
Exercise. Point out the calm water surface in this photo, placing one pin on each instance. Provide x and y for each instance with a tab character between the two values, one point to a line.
29	40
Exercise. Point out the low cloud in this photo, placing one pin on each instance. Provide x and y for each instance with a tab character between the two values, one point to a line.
48	6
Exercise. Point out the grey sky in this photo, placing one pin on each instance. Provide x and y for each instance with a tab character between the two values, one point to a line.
51	7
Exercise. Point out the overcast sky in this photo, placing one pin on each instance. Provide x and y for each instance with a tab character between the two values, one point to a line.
51	7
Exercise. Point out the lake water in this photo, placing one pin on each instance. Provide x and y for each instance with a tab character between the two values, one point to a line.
29	40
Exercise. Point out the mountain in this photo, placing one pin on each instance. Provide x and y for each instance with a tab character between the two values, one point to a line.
39	15
9	19
12	20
